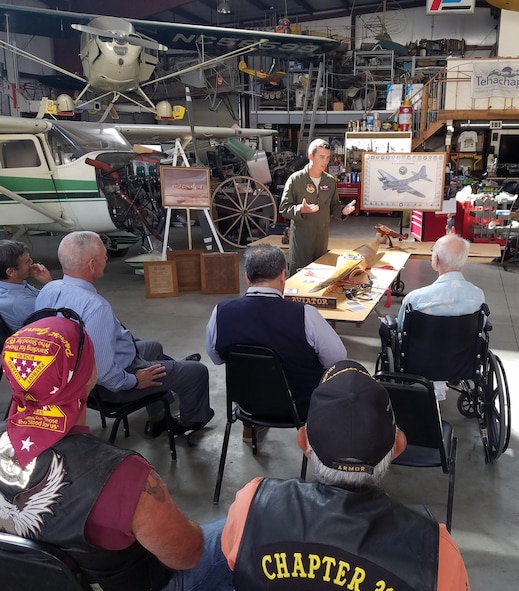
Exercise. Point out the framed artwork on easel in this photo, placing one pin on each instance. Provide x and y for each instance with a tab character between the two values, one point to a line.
185	187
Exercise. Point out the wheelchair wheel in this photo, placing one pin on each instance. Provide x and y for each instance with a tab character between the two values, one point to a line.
496	406
466	402
385	361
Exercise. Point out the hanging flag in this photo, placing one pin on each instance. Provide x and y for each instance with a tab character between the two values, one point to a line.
450	6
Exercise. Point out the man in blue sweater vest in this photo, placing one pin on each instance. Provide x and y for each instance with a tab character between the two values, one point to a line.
303	340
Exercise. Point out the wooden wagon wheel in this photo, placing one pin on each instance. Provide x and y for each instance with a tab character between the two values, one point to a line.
242	210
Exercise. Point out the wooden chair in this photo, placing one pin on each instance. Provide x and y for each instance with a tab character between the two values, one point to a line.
257	394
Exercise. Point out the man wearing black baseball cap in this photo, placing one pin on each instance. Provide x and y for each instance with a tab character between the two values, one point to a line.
341	531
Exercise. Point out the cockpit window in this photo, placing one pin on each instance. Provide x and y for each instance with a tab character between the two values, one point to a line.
19	154
90	137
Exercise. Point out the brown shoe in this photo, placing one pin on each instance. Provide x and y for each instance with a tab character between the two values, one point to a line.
247	433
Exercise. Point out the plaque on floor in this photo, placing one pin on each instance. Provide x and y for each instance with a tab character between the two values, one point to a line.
189	273
220	272
160	278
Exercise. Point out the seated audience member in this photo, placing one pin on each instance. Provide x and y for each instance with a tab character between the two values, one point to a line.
17	297
127	367
125	534
343	531
451	294
305	342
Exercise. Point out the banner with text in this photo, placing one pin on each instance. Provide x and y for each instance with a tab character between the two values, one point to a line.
496	78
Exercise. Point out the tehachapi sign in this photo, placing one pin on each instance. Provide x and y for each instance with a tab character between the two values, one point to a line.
495	78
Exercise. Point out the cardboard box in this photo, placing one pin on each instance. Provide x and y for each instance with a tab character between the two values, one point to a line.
338	106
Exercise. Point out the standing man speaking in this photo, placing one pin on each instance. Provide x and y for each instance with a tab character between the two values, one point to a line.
309	200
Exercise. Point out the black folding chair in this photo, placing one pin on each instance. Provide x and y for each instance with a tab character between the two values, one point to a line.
29	564
430	440
257	394
102	400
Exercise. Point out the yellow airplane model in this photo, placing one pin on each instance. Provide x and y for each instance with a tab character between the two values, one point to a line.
273	78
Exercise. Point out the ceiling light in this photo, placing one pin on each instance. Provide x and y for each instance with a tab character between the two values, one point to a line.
224	7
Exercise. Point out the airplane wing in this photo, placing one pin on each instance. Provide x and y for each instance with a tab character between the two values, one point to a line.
216	40
384	176
413	192
164	133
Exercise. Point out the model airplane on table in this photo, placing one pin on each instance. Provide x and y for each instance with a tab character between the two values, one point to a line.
388	233
391	183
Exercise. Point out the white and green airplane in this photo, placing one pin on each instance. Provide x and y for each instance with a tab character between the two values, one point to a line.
60	176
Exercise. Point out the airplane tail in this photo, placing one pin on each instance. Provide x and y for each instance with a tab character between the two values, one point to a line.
422	174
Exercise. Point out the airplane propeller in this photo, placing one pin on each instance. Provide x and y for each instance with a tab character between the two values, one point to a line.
120	37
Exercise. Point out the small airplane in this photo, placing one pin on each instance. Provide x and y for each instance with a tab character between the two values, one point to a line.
117	60
402	185
60	176
273	78
72	175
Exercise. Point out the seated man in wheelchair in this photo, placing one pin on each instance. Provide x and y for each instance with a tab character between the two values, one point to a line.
441	334
450	295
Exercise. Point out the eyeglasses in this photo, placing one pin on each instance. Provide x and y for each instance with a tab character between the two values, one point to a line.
67	313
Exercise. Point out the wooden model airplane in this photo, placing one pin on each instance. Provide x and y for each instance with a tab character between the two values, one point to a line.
389	233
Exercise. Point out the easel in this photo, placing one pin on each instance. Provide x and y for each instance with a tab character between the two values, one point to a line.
178	151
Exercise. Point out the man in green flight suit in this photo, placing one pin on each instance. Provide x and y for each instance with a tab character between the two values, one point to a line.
309	200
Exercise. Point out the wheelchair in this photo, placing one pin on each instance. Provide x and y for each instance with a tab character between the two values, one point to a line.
454	349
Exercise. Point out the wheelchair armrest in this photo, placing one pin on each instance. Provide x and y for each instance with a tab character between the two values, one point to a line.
387	330
389	321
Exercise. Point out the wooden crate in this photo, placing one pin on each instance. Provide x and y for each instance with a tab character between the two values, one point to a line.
220	272
189	274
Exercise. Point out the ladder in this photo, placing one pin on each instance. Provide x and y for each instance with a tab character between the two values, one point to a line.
306	129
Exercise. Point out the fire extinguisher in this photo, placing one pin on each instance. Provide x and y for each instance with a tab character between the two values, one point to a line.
405	116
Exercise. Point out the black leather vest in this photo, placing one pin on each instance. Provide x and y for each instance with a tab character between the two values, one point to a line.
279	325
65	482
306	536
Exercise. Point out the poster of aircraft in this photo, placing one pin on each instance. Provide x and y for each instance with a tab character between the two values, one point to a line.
403	181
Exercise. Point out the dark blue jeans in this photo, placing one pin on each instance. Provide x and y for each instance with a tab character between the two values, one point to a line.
212	572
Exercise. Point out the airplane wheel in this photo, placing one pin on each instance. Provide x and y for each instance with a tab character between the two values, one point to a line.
242	210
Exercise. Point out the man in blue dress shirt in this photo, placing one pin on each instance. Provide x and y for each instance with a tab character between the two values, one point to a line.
127	367
17	297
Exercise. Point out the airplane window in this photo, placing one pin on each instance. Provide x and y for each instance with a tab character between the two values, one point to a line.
63	151
89	137
19	154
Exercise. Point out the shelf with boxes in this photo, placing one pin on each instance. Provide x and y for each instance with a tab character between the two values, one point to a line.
477	220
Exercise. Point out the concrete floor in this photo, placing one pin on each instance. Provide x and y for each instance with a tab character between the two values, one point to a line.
486	517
